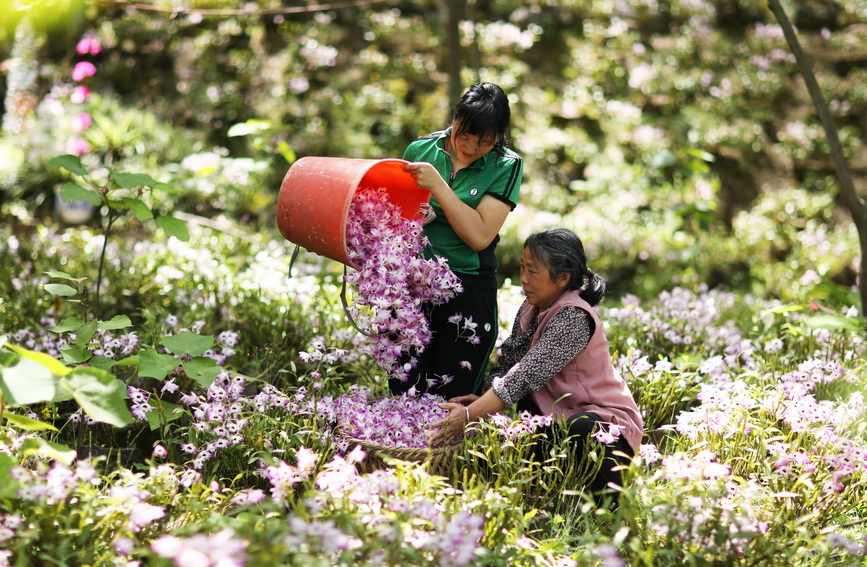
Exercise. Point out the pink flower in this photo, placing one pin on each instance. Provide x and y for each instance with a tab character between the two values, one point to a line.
77	146
79	94
160	451
88	46
81	122
83	70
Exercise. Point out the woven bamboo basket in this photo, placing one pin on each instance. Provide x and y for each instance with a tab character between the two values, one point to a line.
440	460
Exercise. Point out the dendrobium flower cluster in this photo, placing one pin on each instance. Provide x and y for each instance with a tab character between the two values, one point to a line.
393	282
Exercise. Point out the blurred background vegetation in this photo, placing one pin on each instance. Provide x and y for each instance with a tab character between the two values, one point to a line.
675	136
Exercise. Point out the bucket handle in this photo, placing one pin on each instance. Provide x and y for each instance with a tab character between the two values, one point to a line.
342	291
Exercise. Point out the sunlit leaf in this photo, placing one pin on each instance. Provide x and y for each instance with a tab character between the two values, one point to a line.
249	127
174	227
33	447
62	290
27	382
52	364
27	423
138	209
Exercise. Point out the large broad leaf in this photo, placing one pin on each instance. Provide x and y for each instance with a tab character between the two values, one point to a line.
30	424
48	449
52	364
189	343
73	192
100	395
117	322
28	382
155	365
203	370
174	227
70	163
833	322
62	290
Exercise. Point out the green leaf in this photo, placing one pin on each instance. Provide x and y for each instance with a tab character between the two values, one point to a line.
100	395
833	322
27	423
48	449
163	413
62	290
287	152
203	370
70	324
133	180
70	163
137	207
27	382
52	364
249	127
117	322
174	227
189	343
75	354
72	192
155	365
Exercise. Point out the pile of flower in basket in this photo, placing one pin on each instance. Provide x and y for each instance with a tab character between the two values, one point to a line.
400	421
393	280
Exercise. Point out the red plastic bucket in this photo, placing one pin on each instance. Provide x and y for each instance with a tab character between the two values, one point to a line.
316	192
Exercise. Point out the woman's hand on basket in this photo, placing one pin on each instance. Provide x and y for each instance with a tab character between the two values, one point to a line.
446	429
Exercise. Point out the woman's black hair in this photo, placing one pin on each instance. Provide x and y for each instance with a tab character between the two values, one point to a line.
562	252
483	111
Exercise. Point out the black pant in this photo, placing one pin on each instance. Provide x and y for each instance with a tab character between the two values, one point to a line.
450	354
581	426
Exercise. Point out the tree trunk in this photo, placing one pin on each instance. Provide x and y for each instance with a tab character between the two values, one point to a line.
851	200
456	10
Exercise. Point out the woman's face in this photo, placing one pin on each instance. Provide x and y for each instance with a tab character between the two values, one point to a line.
470	147
540	289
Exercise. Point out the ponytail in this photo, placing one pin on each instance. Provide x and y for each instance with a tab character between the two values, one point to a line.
595	289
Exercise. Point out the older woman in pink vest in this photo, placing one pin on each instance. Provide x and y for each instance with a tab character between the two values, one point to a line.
557	360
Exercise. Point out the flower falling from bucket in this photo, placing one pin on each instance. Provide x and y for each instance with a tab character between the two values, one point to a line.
393	282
